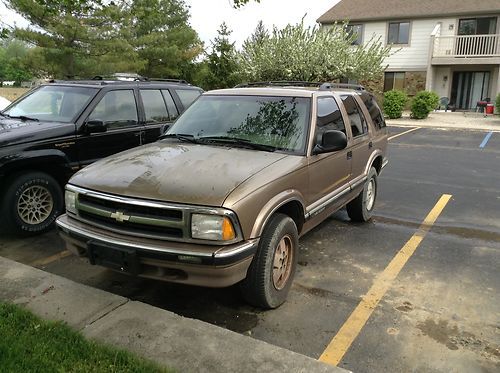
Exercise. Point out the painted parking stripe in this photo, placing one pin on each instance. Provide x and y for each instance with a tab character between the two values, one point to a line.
339	345
404	133
44	261
485	140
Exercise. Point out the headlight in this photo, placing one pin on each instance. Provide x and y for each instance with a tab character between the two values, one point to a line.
212	227
70	201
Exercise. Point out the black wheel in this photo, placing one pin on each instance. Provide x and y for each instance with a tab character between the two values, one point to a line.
31	203
273	267
360	209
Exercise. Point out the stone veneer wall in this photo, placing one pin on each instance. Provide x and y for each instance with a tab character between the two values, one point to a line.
414	82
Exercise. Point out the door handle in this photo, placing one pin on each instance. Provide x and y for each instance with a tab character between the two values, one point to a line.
370	145
349	154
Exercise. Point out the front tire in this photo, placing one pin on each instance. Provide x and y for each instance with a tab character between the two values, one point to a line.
271	273
360	209
31	203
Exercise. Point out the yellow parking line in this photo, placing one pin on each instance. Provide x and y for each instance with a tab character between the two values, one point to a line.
44	261
404	133
339	345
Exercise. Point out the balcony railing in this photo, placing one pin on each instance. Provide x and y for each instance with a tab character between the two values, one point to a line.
467	46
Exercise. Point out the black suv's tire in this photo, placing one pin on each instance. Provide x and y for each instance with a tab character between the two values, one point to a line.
271	273
360	209
31	203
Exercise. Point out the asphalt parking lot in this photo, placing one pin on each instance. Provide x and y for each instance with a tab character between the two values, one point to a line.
439	312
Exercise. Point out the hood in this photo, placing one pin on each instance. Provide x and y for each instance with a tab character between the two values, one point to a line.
16	131
175	172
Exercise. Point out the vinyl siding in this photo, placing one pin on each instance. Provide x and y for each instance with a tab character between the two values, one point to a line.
414	56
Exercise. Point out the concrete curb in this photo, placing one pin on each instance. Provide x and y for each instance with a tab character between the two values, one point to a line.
462	121
187	345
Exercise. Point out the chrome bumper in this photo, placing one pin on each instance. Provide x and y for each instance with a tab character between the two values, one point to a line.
80	234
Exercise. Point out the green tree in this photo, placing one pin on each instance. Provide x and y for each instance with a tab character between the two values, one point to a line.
78	37
240	3
13	58
222	62
163	37
297	52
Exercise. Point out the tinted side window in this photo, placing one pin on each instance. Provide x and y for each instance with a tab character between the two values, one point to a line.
172	109
329	117
187	96
154	106
374	110
117	109
356	117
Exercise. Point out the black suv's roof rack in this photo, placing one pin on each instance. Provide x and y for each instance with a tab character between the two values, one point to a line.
101	80
299	83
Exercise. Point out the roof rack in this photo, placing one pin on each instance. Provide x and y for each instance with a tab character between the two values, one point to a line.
279	83
300	83
327	86
180	81
100	80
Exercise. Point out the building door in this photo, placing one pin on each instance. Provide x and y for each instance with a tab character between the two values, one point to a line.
469	87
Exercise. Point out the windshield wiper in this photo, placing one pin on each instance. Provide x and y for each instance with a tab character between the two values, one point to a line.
181	137
23	117
238	141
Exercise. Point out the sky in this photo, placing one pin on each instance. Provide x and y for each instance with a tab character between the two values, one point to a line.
207	15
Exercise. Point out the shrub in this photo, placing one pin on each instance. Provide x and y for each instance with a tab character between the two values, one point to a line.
423	103
497	103
394	103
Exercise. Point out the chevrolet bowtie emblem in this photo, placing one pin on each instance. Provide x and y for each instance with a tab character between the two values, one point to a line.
120	216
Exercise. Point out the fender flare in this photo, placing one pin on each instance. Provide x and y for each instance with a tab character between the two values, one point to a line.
272	206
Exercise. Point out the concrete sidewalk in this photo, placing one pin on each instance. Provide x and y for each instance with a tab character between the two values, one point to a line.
452	120
187	345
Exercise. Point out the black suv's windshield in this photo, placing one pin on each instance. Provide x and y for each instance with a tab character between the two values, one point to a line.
52	103
270	123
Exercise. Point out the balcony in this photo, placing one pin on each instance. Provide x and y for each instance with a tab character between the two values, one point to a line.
466	49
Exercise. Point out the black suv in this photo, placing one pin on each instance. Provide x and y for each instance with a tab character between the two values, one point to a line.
60	127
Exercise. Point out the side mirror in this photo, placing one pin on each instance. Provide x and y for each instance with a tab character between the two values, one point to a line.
96	126
331	141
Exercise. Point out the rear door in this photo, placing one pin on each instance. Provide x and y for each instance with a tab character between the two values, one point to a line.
118	110
361	146
156	115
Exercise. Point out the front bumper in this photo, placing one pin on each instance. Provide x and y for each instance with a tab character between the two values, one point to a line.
195	264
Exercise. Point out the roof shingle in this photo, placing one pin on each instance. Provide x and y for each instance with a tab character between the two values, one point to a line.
372	10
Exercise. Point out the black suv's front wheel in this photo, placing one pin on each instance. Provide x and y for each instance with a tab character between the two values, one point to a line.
31	203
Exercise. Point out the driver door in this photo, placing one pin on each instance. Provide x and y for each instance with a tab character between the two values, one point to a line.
329	173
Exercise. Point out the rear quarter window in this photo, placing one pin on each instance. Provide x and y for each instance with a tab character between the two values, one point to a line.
187	96
374	110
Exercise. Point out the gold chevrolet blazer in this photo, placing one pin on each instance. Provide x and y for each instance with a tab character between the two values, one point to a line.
225	193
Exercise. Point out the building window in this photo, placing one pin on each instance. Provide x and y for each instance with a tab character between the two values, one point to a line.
355	31
394	81
399	33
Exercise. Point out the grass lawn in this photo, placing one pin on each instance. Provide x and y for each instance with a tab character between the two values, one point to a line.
30	344
12	94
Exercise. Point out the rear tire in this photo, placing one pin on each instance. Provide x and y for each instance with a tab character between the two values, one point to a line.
31	202
360	209
271	272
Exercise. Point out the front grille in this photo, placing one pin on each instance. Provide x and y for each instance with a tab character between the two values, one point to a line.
132	218
133	228
145	211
